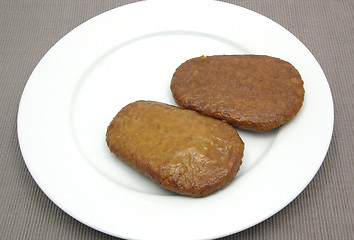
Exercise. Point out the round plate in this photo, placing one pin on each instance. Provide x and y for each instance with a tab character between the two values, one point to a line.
130	53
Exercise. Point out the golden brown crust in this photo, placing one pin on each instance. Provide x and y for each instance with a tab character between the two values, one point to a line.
183	151
253	92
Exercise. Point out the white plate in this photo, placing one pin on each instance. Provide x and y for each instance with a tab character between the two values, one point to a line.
128	54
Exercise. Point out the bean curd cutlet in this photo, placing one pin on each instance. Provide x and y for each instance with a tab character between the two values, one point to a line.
181	150
252	92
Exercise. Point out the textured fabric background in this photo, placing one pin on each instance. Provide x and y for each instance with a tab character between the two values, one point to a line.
324	210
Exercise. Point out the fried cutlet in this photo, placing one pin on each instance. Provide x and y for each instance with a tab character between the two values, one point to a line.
253	92
183	151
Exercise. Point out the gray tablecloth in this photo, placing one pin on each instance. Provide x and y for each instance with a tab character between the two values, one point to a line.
324	210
